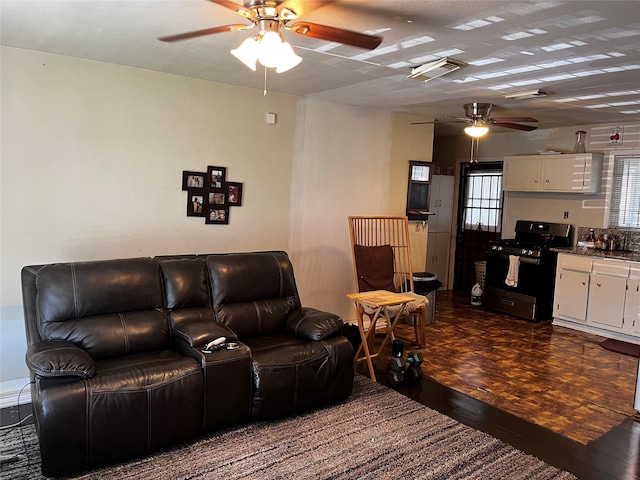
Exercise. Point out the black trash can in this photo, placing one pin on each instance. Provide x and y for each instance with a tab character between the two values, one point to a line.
425	283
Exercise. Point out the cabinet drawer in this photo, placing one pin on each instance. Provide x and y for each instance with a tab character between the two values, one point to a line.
611	267
576	262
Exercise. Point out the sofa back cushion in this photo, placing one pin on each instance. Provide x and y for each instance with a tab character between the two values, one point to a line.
253	293
109	307
185	282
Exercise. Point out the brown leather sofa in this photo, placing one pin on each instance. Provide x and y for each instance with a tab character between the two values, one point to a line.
115	352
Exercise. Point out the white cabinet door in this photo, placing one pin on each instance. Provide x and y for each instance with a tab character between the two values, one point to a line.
632	303
522	173
571	294
607	292
441	203
606	301
563	173
438	255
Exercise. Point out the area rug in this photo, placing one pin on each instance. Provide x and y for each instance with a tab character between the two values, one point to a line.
376	434
618	346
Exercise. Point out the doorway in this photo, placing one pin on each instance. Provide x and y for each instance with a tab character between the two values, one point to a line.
479	218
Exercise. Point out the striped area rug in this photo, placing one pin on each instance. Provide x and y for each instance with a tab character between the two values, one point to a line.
376	434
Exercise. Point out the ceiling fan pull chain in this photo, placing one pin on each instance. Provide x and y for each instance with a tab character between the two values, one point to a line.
264	92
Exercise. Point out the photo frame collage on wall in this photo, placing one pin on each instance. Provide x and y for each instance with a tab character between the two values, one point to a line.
210	195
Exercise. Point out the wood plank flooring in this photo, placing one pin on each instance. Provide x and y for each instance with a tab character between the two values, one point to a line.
550	391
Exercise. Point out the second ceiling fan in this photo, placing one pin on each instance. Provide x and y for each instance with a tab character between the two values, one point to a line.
479	121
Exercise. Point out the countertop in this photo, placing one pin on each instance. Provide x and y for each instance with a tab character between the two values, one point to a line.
594	252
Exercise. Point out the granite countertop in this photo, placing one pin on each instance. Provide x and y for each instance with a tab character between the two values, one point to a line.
594	252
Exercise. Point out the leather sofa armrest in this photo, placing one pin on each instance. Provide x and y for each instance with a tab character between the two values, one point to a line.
312	324
195	334
59	359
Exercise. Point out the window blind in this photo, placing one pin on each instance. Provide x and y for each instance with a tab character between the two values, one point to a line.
625	193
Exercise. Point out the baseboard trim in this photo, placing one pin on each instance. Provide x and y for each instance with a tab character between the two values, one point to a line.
10	395
596	331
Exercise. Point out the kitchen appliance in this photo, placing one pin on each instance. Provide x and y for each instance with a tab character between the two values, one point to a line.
520	272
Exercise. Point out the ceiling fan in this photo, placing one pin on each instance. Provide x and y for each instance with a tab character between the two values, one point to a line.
271	17
479	121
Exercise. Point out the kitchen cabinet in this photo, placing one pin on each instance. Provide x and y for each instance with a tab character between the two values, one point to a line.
439	234
441	203
632	301
572	288
566	173
438	248
607	292
598	295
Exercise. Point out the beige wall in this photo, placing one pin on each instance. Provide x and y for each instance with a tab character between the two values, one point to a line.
92	161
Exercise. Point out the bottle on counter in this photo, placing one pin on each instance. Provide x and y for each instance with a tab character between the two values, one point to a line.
591	238
605	241
613	243
599	242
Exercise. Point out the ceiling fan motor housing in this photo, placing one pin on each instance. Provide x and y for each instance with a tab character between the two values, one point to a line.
477	110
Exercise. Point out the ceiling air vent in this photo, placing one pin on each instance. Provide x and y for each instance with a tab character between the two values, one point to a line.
528	94
435	69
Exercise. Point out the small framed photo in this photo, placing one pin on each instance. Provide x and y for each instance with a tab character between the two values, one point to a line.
217	215
192	180
216	177
217	198
195	204
234	193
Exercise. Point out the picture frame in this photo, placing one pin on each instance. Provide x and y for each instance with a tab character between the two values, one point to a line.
195	203
234	193
216	215
216	177
217	199
192	180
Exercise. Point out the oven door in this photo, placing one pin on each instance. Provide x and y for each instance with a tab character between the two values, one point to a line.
517	300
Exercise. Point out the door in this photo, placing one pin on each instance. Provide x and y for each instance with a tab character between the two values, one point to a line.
479	218
522	173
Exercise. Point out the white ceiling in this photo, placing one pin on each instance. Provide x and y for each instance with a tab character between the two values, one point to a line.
586	53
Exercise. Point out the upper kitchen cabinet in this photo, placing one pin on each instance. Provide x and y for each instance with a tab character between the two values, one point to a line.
567	173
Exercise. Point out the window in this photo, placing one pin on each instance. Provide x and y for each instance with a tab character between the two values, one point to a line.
624	210
418	190
483	206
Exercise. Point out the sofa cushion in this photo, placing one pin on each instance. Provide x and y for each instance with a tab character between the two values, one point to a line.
253	293
185	282
108	308
374	266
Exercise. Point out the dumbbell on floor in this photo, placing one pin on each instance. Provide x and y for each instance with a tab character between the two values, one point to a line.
413	371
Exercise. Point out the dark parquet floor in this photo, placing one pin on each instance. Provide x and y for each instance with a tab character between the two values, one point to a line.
550	391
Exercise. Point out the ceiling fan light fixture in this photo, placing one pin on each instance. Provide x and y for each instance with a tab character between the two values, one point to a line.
476	130
270	50
288	58
247	53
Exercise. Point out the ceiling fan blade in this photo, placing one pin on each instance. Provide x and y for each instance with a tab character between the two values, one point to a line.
334	34
302	7
515	119
239	9
207	31
515	126
460	120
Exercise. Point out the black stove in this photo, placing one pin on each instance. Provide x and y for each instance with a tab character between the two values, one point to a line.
520	271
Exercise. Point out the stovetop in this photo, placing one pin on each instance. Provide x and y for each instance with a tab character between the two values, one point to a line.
533	238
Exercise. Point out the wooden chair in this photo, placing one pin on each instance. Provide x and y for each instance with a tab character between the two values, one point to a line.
381	254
